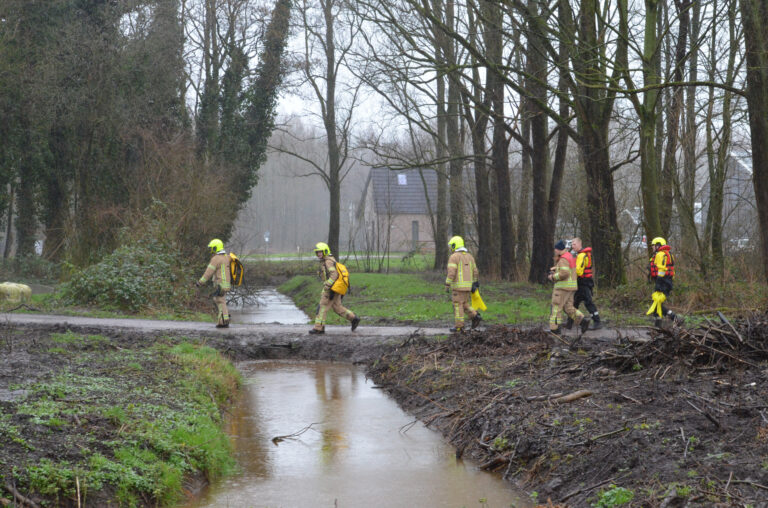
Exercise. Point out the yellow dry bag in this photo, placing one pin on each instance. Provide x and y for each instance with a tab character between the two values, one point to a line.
236	269
477	301
342	283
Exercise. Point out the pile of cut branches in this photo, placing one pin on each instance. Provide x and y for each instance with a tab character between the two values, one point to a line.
719	343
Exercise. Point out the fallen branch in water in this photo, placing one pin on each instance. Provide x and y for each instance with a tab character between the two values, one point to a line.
278	439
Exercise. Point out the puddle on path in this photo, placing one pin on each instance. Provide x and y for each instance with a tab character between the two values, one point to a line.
274	307
357	454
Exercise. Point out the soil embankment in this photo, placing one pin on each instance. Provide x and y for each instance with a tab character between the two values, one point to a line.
673	418
676	419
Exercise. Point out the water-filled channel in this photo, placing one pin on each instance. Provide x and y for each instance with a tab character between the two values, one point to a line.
273	307
361	451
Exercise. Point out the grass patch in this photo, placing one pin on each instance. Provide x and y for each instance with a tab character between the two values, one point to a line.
134	422
420	297
50	303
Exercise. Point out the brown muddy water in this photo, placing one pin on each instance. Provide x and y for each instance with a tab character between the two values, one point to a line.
361	451
273	307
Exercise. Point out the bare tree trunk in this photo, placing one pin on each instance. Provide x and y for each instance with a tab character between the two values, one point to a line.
675	109
9	222
561	148
478	122
329	122
26	221
687	189
524	203
665	184
441	232
718	173
499	147
754	15
647	112
541	247
455	164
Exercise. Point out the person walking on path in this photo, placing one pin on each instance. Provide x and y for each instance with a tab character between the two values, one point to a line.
584	282
563	274
461	281
218	271
661	271
329	299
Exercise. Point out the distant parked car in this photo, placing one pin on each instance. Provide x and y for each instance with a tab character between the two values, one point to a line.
740	243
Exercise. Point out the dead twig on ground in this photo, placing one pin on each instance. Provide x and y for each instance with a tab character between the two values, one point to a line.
751	484
24	501
572	396
588	489
24	306
707	415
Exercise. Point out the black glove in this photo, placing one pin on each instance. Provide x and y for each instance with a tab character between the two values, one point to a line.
198	283
475	286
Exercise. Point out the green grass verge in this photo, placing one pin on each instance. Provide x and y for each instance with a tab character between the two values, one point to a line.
359	262
419	298
49	303
128	425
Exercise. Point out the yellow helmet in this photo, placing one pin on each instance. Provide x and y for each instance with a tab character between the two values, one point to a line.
215	245
658	241
455	243
322	247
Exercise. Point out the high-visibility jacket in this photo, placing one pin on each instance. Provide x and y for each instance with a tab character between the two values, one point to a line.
328	271
565	272
662	263
462	271
218	271
584	263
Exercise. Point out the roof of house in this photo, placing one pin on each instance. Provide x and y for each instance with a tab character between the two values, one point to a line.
399	192
743	160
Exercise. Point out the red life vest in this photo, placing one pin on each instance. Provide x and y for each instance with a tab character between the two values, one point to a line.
587	263
670	263
571	260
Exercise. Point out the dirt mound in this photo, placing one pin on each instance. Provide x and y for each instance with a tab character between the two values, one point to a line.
676	418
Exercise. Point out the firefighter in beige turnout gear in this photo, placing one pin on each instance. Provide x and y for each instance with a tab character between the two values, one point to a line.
218	271
328	298
461	281
563	274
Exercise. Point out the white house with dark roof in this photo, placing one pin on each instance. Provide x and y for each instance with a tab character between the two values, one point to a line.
397	207
739	205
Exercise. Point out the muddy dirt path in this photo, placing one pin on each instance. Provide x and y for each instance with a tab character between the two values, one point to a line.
268	330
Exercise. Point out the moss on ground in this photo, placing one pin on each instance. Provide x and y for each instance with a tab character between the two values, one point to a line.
107	425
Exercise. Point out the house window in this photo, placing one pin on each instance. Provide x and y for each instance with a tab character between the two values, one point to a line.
402	179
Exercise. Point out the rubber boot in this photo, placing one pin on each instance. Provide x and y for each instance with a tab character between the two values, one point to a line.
476	321
569	323
457	329
315	331
596	320
355	322
584	325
